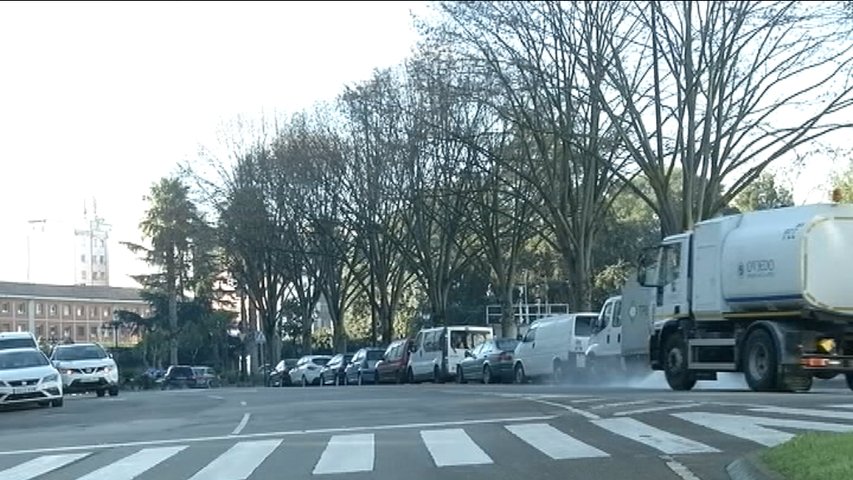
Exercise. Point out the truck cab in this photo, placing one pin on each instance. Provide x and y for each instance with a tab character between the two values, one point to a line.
605	343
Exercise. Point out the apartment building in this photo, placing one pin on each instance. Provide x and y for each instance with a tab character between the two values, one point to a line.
80	313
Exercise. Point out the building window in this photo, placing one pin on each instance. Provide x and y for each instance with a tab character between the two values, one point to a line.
22	308
81	332
52	310
80	312
82	258
39	331
4	307
5	327
106	312
39	308
93	331
93	312
83	274
66	311
101	260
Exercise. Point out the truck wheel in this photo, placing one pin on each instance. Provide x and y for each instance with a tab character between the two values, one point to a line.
849	380
675	364
798	382
825	375
761	362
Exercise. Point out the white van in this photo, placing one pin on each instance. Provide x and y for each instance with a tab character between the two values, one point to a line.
553	345
437	351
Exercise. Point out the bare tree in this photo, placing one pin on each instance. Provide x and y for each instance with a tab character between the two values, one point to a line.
721	90
569	156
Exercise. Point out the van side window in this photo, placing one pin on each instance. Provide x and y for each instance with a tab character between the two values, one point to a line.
617	314
530	335
430	342
417	344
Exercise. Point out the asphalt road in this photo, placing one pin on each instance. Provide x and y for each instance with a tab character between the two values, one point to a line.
641	431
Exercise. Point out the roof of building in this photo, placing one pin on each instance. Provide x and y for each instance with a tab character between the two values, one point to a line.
70	292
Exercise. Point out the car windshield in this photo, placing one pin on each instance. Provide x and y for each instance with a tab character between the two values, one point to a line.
8	343
320	361
22	359
375	354
79	352
507	344
583	325
181	371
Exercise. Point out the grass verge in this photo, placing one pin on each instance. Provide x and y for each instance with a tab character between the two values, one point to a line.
813	456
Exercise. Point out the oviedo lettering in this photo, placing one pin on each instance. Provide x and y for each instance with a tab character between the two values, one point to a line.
757	268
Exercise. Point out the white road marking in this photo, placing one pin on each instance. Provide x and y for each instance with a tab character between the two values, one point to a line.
618	404
134	465
806	412
587	400
347	454
238	462
240	426
453	447
754	428
843	405
242	403
216	397
583	413
654	437
39	466
553	442
679	469
655	409
287	433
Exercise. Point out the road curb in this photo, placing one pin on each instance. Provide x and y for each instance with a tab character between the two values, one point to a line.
750	467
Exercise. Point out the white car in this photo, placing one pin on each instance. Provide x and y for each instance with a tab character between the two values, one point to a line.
307	370
26	376
86	367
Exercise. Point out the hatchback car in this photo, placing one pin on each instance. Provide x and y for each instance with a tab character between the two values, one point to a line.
307	370
179	376
333	372
362	369
205	377
392	367
26	376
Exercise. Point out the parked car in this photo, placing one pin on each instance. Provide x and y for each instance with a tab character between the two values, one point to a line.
307	370
86	367
205	377
333	372
27	376
392	367
178	376
362	368
437	351
280	376
17	340
490	362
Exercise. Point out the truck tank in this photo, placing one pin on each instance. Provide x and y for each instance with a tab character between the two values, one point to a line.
785	259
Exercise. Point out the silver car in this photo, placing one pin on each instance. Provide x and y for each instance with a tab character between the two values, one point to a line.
26	376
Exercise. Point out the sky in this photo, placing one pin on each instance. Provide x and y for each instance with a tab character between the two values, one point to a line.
100	100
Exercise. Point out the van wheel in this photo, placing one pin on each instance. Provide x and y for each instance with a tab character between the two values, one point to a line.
436	375
519	376
761	362
558	375
460	375
675	364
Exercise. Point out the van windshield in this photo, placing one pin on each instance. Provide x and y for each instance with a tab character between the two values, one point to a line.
466	340
583	325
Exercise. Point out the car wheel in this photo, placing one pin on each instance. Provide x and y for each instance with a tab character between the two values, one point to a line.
360	379
322	381
400	377
518	376
304	381
57	402
411	375
376	378
101	392
460	375
487	375
557	374
113	391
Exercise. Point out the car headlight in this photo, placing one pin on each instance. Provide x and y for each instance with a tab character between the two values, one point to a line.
66	371
108	369
53	377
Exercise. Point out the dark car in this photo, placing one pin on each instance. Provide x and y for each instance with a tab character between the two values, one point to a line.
333	372
395	360
179	376
362	368
489	362
280	376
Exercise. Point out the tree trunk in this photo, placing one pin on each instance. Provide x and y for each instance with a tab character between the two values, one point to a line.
508	326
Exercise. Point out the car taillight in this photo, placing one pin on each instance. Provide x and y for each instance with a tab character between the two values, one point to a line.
505	356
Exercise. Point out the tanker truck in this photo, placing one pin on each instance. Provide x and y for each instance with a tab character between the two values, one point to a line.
766	293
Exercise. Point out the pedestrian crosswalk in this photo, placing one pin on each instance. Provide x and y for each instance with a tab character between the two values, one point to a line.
462	447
